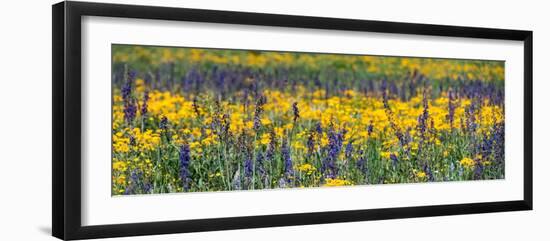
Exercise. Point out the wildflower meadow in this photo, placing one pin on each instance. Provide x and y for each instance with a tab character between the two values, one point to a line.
201	120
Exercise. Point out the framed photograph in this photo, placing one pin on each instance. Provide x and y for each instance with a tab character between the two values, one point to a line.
169	120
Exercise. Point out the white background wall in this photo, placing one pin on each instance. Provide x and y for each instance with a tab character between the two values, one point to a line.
25	119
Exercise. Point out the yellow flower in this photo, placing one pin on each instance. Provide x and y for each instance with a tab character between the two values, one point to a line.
324	140
121	179
306	168
194	144
265	139
279	132
120	166
421	174
467	162
330	182
265	121
387	154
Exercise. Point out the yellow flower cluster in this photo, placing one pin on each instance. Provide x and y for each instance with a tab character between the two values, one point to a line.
306	168
467	162
334	182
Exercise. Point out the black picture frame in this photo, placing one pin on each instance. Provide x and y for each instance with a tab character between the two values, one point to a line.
66	185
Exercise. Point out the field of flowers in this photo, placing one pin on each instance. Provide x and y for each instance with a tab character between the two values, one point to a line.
198	120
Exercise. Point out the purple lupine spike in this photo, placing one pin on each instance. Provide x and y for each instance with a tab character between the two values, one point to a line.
144	106
148	187
130	110
452	107
498	141
478	170
258	112
384	88
270	152
126	90
260	166
288	170
133	187
295	111
184	161
130	107
335	140
391	119
423	118
318	128
349	150
248	168
394	160
163	123
362	163
428	172
370	128
393	89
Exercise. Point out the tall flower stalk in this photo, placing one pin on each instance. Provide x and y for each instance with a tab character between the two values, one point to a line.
130	107
185	161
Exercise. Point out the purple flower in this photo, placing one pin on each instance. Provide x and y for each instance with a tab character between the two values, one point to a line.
258	112
335	140
478	170
133	187
163	123
148	187
270	153
318	128
130	107
184	161
423	118
145	103
287	160
391	118
260	163
394	160
362	163
248	168
126	89
295	111
130	110
452	107
370	128
498	142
